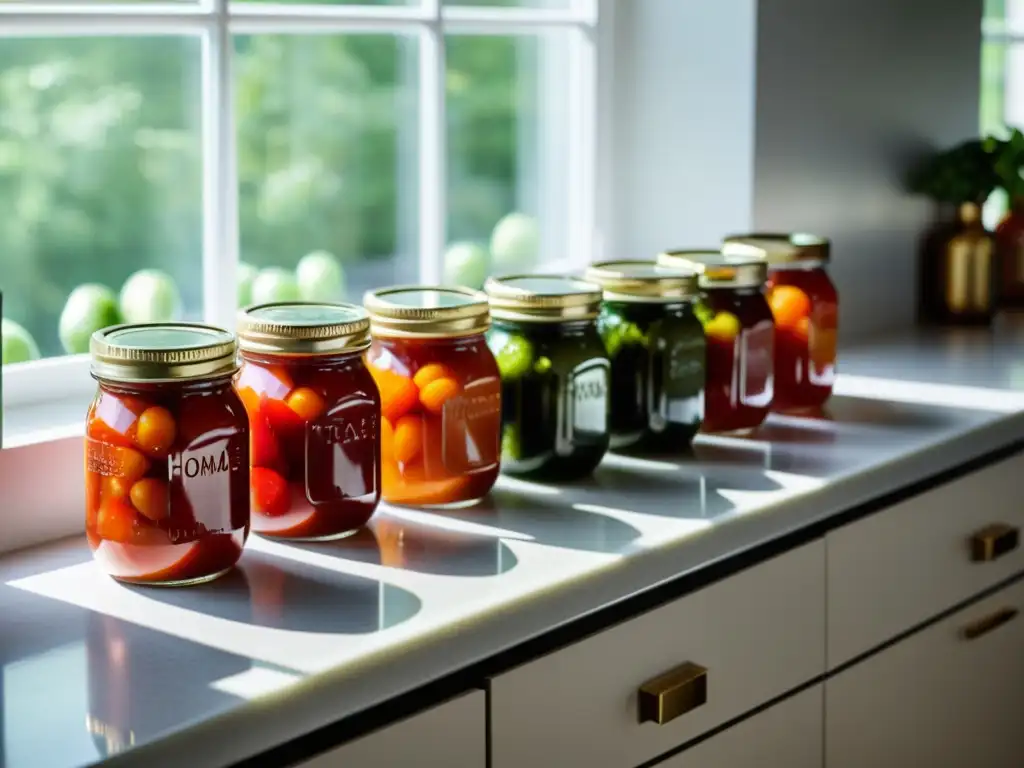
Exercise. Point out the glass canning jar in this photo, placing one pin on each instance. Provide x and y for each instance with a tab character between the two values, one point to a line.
313	417
440	394
554	375
805	305
166	454
656	346
739	331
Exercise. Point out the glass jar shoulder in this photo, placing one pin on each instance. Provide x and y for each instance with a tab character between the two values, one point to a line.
815	282
524	348
750	307
647	324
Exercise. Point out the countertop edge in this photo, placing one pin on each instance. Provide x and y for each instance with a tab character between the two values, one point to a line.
328	698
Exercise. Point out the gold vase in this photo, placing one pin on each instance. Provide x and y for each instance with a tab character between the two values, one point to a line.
958	271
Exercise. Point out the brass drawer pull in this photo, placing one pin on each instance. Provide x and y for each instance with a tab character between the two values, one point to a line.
994	541
674	693
986	625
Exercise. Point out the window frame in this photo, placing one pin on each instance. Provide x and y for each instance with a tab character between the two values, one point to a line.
215	22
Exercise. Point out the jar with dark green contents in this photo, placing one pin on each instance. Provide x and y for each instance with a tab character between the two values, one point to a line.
554	375
656	346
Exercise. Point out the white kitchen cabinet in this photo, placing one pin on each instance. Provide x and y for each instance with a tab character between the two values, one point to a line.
452	735
788	734
757	635
949	696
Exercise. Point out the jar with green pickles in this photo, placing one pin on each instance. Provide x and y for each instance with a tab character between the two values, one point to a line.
656	346
554	376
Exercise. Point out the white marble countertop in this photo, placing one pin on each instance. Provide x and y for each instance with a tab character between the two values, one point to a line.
301	636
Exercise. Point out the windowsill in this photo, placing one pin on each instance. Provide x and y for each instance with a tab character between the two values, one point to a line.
44	422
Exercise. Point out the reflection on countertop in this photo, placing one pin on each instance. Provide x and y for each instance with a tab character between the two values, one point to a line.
91	667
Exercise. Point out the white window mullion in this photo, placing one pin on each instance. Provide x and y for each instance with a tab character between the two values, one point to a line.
581	91
433	148
220	187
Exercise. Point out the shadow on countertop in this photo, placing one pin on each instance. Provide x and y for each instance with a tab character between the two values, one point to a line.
279	593
419	547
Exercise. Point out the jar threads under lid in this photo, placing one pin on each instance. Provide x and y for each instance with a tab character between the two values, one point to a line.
542	298
643	281
720	270
424	311
780	249
162	352
303	328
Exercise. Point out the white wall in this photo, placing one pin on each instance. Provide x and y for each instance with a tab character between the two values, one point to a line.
788	115
849	92
682	112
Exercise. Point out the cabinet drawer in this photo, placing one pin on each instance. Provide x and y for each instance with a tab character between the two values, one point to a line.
758	634
790	734
903	565
948	696
452	734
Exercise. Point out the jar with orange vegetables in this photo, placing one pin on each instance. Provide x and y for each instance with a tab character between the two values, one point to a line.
805	305
440	394
313	418
739	332
166	454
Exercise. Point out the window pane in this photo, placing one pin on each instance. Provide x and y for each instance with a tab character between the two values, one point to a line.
327	162
507	171
330	2
550	4
100	176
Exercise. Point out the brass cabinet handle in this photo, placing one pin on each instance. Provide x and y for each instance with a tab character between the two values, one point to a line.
987	624
994	541
674	693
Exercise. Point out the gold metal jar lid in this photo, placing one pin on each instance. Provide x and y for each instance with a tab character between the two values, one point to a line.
643	281
303	328
423	311
162	352
542	298
720	270
779	249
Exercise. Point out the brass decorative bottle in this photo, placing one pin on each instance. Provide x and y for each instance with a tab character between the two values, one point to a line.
958	271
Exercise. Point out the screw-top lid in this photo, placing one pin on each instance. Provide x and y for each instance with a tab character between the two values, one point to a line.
643	281
720	270
426	311
155	352
303	328
542	298
780	249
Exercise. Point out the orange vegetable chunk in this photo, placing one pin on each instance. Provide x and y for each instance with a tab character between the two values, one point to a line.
437	393
149	496
789	305
431	372
408	439
306	402
398	394
156	431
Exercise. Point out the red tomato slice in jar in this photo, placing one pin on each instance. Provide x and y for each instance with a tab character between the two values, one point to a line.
270	495
281	418
297	515
263	445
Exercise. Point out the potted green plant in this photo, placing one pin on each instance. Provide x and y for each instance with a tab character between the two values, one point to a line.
957	269
1008	156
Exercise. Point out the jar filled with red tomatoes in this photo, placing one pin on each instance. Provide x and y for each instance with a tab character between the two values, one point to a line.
739	331
440	394
166	454
805	305
313	418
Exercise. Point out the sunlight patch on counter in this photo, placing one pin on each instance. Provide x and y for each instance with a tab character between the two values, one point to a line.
255	682
926	393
